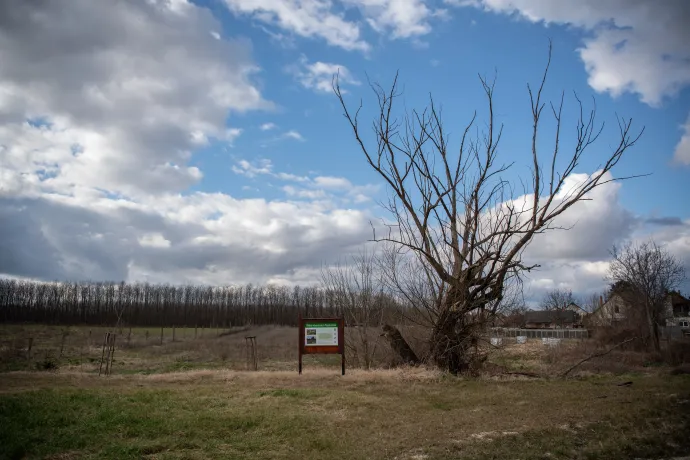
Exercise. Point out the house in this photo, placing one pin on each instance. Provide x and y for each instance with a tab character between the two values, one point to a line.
572	306
619	305
551	319
679	308
614	310
677	305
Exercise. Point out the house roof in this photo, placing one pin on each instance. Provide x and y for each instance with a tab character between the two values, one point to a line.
629	297
579	308
677	299
553	316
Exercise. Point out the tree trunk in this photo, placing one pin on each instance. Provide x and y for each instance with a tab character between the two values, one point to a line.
653	330
455	343
400	345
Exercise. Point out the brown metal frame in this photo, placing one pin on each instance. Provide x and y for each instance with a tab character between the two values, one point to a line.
333	350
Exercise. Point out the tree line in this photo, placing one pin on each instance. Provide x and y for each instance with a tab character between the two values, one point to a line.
144	304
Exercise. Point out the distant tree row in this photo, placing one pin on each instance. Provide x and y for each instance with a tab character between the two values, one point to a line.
143	304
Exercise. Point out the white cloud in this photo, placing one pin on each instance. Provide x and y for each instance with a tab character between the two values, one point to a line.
318	76
331	188
231	134
267	126
637	46
577	257
305	193
402	18
198	238
326	19
682	152
332	182
122	104
306	18
245	168
154	240
292	134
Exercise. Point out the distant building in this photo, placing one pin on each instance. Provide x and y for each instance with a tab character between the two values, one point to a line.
623	301
551	319
678	305
572	306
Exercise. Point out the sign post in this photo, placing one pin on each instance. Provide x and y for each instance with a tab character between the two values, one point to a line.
322	336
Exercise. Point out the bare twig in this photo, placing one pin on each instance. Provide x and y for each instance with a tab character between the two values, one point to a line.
598	355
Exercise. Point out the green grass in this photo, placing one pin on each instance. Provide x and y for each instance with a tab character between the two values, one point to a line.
377	415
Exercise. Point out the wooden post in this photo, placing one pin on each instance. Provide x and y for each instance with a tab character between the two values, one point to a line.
341	339
161	335
146	337
62	343
28	350
195	331
112	355
173	333
300	339
105	340
252	360
129	335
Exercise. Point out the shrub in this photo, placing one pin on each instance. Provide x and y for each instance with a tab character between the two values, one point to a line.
677	353
47	364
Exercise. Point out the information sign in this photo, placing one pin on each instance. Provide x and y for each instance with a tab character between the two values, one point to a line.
322	335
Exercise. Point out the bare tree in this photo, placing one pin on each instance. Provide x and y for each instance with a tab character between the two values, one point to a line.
356	289
592	302
454	210
557	299
650	272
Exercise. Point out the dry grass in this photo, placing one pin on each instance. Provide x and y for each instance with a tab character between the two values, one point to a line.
192	399
139	350
385	414
537	358
142	352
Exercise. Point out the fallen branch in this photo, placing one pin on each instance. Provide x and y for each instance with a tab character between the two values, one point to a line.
598	355
524	374
400	345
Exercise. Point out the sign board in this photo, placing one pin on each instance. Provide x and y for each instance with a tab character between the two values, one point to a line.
321	336
320	333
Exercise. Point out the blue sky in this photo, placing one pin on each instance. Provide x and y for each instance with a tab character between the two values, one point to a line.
199	142
466	43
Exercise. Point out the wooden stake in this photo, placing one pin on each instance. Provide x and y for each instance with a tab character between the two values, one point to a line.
105	340
112	355
62	343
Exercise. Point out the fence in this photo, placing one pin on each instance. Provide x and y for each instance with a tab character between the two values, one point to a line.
673	332
540	333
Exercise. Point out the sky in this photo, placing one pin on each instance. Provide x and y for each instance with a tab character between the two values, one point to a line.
200	141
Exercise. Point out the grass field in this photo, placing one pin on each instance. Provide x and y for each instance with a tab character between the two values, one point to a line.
396	414
141	350
192	398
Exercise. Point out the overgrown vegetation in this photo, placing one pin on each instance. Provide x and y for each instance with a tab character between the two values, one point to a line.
648	273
